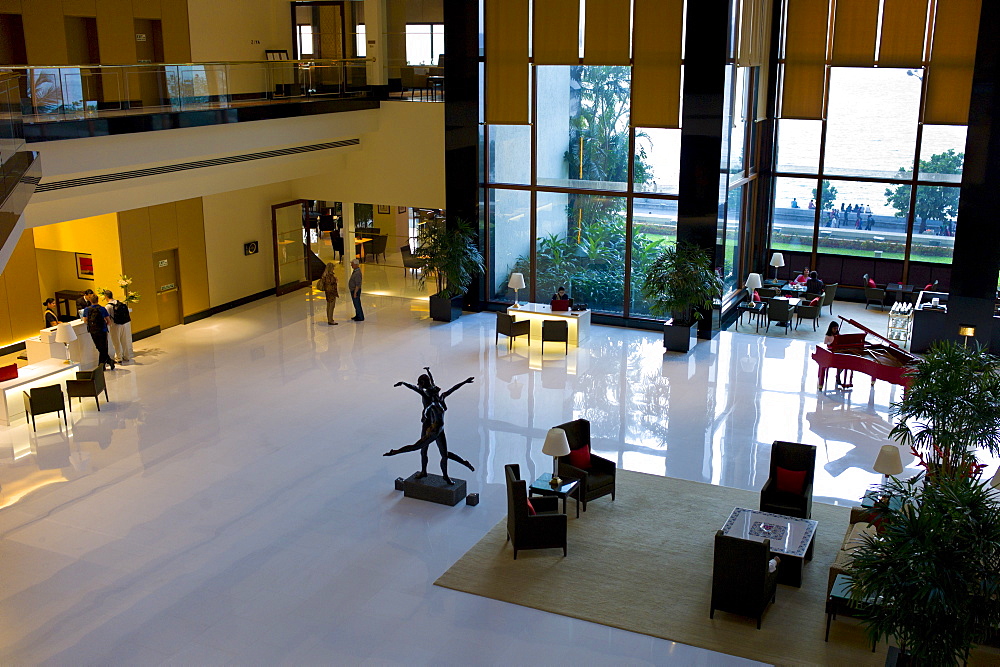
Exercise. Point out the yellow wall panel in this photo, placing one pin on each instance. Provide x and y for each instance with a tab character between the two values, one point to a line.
6	338
10	6
80	8
176	31
137	254
43	44
146	9
556	32
163	227
24	299
96	236
606	33
193	260
116	32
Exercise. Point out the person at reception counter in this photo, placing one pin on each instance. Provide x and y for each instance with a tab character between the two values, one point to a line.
50	314
560	294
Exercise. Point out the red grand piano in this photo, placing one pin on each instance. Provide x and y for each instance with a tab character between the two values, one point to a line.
852	352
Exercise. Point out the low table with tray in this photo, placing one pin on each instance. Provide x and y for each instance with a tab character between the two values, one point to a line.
791	538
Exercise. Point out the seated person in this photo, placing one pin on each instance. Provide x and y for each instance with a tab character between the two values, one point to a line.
560	294
561	300
814	285
803	277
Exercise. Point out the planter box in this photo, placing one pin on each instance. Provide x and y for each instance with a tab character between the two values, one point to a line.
444	309
679	339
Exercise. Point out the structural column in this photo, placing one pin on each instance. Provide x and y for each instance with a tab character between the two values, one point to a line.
376	27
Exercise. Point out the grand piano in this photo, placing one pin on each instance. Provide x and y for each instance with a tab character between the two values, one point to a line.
853	353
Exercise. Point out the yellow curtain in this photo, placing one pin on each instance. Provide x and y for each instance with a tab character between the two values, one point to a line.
854	28
556	32
904	25
606	33
762	55
804	80
953	57
657	34
506	38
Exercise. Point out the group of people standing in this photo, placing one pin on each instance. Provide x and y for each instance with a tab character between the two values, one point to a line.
109	326
329	284
854	214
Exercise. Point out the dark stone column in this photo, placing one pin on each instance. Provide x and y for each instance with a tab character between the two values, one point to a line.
976	261
461	117
707	35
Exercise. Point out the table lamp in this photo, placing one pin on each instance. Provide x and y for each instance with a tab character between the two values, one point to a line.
753	282
516	283
65	335
995	480
556	445
777	260
966	330
888	461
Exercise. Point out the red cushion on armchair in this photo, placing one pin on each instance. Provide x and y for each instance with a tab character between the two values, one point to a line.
790	481
580	458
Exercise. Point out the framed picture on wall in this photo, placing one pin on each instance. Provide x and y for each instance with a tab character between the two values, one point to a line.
384	209
84	266
400	209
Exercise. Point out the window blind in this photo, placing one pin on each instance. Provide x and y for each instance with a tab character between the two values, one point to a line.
657	37
804	75
904	26
606	32
854	28
506	38
556	32
953	57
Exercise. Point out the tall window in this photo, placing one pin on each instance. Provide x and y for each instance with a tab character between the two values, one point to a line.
424	43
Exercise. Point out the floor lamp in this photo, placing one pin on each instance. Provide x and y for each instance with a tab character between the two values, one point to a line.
966	330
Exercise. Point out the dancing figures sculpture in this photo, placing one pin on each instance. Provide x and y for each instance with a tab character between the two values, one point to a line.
432	424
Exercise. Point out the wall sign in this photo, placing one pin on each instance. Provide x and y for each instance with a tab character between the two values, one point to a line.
140	37
162	263
167	288
250	248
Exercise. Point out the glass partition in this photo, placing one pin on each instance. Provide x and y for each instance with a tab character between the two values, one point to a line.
290	268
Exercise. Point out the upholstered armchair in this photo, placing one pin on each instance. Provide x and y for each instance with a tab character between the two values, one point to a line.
741	582
829	294
789	487
807	312
543	529
512	329
42	400
88	383
779	311
874	294
596	474
555	331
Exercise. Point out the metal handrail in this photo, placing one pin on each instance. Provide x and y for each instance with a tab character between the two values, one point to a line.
370	59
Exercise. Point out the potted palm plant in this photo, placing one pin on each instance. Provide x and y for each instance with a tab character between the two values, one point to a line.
452	256
680	282
930	577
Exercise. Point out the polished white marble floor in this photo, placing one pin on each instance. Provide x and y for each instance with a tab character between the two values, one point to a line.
230	505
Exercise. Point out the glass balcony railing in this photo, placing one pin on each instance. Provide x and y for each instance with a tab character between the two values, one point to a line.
85	91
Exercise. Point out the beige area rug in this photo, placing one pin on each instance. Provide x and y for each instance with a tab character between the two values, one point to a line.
643	563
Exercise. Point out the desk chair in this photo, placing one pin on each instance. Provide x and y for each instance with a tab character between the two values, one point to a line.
42	400
555	332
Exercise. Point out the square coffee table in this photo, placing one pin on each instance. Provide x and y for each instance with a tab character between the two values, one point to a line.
569	487
791	538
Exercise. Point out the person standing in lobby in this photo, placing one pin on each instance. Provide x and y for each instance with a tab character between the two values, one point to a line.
354	284
50	314
120	328
97	321
328	283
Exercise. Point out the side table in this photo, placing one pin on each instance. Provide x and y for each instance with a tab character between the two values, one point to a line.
569	487
839	602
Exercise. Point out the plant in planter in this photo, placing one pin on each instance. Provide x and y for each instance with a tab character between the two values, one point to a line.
452	255
933	567
679	282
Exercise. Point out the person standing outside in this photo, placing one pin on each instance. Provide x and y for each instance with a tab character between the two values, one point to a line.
97	321
328	283
120	329
354	285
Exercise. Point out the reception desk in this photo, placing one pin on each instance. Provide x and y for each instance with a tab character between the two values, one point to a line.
81	350
536	313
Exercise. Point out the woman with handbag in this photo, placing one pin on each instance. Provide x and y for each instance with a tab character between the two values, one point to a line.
328	283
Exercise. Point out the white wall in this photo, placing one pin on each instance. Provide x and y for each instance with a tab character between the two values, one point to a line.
226	29
232	219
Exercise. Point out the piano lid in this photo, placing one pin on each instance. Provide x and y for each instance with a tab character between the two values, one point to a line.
869	331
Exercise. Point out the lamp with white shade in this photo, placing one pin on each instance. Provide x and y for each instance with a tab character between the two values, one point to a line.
65	335
777	261
995	480
888	461
516	283
556	445
753	282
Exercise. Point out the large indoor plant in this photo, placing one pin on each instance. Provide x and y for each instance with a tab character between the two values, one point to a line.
680	282
933	566
452	255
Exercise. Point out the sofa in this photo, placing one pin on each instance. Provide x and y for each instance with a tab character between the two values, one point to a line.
859	526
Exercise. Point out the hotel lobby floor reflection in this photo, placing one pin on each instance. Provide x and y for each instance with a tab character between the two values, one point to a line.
230	503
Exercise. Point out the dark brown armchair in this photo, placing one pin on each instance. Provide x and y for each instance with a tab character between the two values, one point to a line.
42	400
88	383
741	583
546	529
789	487
555	332
779	311
597	480
874	294
512	329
